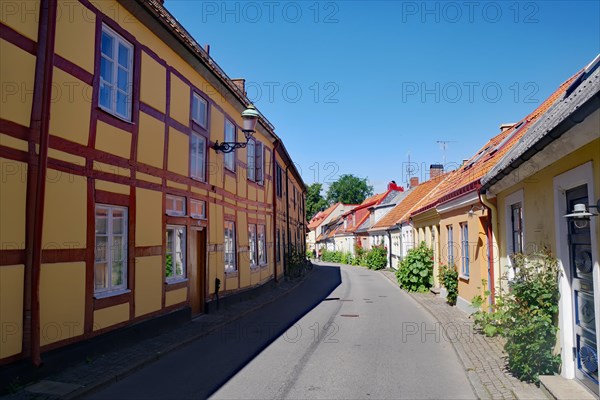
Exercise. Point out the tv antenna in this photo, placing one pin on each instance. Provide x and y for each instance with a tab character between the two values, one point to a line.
443	144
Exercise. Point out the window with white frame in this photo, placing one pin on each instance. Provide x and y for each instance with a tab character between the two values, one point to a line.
229	158
175	257
197	209
230	247
110	254
262	244
175	205
197	156
199	110
450	231
464	240
252	247
116	74
255	151
516	223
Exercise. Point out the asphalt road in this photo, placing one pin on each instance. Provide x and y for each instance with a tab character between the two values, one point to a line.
345	333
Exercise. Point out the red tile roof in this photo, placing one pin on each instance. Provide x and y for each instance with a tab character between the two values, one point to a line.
414	198
467	177
320	216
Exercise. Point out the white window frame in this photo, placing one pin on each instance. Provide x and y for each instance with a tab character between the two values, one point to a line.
450	243
464	250
110	289
172	251
202	205
512	199
261	244
198	160
229	136
230	248
113	58
173	212
199	102
252	246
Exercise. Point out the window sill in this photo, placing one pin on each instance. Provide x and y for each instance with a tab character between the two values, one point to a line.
264	265
104	295
174	281
199	217
254	268
114	115
464	278
231	274
194	178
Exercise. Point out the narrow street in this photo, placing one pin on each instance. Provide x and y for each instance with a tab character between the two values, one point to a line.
364	339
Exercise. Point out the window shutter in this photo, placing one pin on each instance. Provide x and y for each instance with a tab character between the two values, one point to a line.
259	150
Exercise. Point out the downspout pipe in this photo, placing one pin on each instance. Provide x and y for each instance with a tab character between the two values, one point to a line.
491	233
389	232
274	161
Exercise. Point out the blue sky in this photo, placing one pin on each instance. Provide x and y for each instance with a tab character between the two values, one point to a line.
354	87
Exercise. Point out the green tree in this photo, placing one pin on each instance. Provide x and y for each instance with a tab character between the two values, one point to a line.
314	201
349	189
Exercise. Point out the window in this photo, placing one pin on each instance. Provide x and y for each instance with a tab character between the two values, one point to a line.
199	110
197	156
252	248
230	253
464	239
115	74
516	219
175	258
450	230
197	209
175	205
278	180
110	262
262	245
255	160
229	137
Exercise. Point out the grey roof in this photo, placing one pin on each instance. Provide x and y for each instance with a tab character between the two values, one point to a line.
586	86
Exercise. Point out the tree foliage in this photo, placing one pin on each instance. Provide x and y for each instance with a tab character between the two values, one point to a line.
314	200
349	189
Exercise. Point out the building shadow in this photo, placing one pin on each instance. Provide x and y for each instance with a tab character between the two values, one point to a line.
200	368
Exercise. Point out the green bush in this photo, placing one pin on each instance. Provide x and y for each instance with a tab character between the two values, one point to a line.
449	280
527	317
377	257
416	270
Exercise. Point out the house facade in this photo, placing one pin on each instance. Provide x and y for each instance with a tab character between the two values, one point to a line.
116	206
535	186
320	219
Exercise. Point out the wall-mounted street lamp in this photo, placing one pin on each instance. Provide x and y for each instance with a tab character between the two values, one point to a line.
250	118
473	209
580	214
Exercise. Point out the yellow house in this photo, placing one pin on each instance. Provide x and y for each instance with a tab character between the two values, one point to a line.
457	222
539	182
119	201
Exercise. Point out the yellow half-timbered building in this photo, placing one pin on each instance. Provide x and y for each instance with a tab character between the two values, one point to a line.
116	206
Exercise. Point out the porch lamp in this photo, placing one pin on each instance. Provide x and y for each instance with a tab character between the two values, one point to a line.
580	214
250	118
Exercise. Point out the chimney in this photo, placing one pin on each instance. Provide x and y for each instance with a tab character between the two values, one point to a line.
435	170
414	182
393	186
465	161
241	84
506	126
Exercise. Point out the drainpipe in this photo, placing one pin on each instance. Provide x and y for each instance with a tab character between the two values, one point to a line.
491	232
40	125
274	161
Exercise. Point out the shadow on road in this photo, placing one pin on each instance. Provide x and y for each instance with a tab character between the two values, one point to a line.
199	369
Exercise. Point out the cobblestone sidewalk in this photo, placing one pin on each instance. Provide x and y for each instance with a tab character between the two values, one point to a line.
91	374
482	357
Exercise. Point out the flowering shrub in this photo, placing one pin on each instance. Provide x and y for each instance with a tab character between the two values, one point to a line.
377	257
